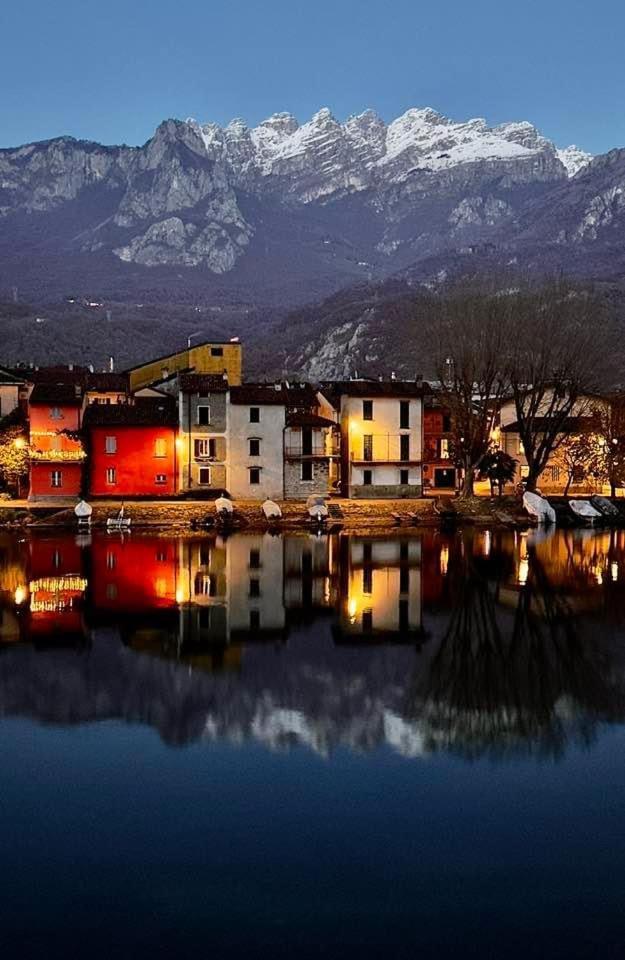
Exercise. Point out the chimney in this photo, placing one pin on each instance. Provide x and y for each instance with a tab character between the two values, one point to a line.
111	364
70	366
393	376
90	368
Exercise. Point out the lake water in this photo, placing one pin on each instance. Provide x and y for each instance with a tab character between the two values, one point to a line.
309	746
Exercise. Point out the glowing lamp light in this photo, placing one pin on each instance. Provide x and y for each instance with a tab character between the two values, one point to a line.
19	443
20	595
614	571
179	595
444	560
523	572
352	609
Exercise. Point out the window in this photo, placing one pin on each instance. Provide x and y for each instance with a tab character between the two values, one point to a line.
203	585
254	587
404	446
160	478
446	423
204	555
57	559
367	552
367	447
367	409
254	444
111	560
204	477
404	616
367	477
111	591
160	447
254	414
203	415
217	351
307	442
161	556
205	449
525	472
443	449
307	471
254	474
367	621
56	478
555	474
110	444
111	475
520	449
254	619
404	414
367	581
55	414
404	579
254	559
403	477
204	618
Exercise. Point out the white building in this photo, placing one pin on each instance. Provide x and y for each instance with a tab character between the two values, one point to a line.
381	437
256	424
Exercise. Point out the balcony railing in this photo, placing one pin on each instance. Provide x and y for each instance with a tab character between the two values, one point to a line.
314	450
384	448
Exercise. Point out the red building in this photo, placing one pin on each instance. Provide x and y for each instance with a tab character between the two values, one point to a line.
57	454
134	575
132	448
439	471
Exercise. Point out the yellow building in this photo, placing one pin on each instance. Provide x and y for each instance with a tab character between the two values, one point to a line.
211	357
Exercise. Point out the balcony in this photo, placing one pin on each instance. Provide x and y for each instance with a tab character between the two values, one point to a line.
384	448
296	451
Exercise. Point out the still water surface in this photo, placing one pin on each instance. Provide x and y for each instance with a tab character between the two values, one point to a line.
313	746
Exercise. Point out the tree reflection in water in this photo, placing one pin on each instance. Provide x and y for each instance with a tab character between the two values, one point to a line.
515	669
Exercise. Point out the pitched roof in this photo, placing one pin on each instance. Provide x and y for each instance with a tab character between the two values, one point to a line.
53	374
107	382
299	419
202	383
7	376
259	394
372	389
569	424
144	412
58	394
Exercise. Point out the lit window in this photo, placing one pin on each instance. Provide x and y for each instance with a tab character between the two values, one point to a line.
56	478
444	447
111	444
203	415
204	476
160	447
111	475
254	447
205	448
160	478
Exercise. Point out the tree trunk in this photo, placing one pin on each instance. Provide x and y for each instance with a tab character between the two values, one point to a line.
532	478
468	482
569	480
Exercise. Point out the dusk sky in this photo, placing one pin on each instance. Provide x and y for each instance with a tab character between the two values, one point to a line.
111	72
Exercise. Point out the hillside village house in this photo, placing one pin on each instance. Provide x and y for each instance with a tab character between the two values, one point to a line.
257	420
212	357
57	453
133	448
439	470
554	477
381	425
203	438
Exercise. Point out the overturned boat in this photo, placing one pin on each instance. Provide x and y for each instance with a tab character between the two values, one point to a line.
538	508
584	511
271	511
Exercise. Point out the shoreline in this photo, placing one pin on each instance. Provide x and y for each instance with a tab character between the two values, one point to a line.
347	515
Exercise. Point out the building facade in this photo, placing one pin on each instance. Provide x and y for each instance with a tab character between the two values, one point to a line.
56	449
132	448
381	427
256	425
213	357
203	443
439	470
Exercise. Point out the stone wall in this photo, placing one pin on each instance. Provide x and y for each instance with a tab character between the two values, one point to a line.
406	491
297	489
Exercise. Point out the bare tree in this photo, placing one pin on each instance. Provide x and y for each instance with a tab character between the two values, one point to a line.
469	332
557	343
609	415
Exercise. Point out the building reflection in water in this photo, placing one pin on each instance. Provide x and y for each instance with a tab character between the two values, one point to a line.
483	641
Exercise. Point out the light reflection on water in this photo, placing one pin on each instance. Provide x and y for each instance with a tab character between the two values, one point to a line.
486	641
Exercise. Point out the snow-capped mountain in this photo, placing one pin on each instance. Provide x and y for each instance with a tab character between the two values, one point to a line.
284	212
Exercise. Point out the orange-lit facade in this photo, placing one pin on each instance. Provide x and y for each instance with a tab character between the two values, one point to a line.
57	453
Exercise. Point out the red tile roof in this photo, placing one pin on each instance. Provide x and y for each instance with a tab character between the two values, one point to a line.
56	394
202	383
144	412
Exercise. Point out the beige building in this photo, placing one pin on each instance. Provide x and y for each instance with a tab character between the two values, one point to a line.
381	424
